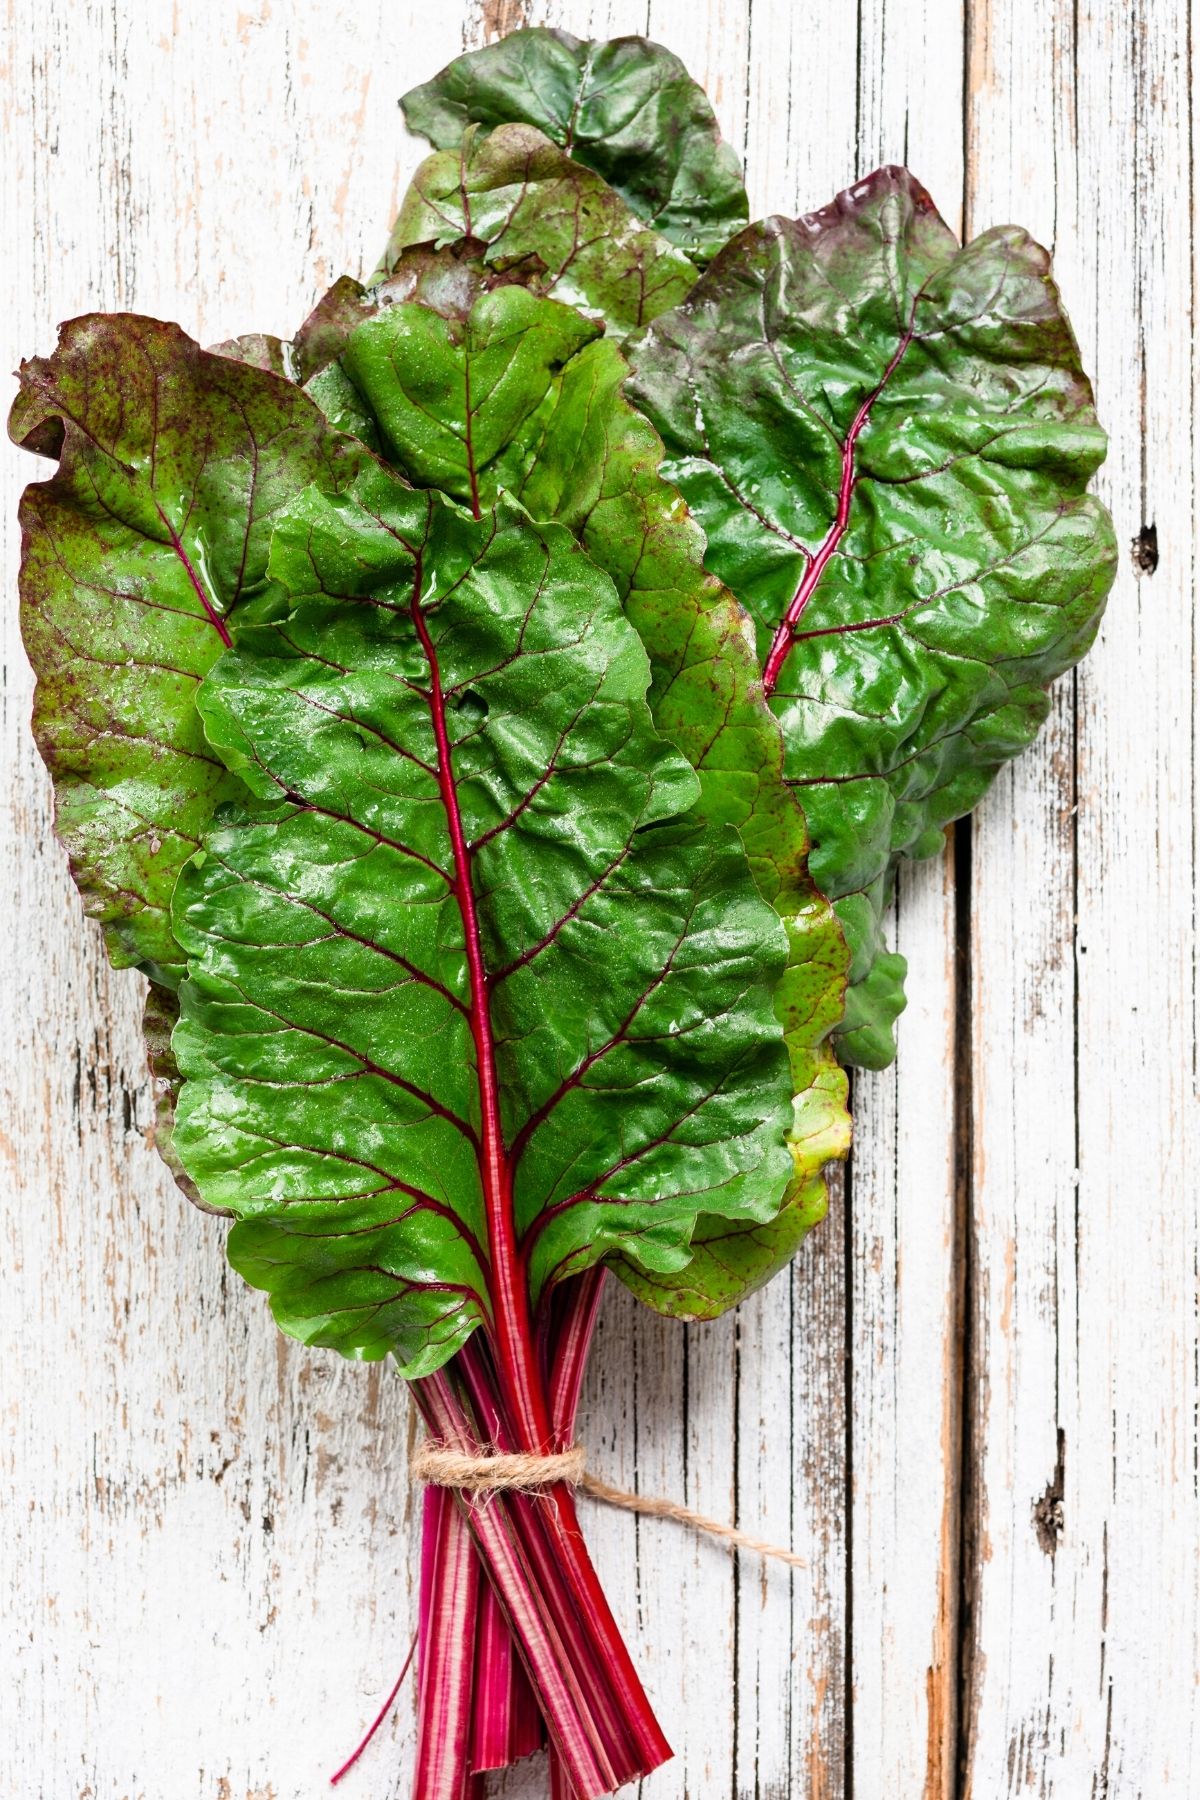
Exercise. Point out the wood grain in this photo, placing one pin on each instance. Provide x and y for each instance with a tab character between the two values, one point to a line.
1085	1606
973	1404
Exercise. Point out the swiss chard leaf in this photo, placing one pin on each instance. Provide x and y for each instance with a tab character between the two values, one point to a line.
596	467
448	398
626	108
453	399
887	440
536	212
172	464
465	943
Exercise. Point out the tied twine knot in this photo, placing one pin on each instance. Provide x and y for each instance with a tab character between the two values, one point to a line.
491	1471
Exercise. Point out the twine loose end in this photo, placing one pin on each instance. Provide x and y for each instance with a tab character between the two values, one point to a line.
494	1471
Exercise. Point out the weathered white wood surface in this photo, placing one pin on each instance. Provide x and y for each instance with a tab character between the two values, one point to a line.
1082	1643
974	1403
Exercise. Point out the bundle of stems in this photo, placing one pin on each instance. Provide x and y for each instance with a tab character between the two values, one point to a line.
517	1644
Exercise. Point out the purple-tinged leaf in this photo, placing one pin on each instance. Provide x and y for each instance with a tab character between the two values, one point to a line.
626	108
172	466
887	440
534	211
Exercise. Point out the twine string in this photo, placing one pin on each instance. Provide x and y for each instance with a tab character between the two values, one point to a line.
491	1472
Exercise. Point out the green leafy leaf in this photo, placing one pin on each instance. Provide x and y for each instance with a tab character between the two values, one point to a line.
887	441
564	438
538	213
469	849
626	108
451	397
172	463
596	467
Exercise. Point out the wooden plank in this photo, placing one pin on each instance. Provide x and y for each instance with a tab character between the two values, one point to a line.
903	1303
874	1508
1083	1593
906	1376
791	1645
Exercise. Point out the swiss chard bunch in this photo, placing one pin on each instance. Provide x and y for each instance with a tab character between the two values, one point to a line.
492	720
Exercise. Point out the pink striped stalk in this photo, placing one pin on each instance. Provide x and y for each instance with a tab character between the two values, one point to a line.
560	1786
506	1725
577	1307
449	1606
